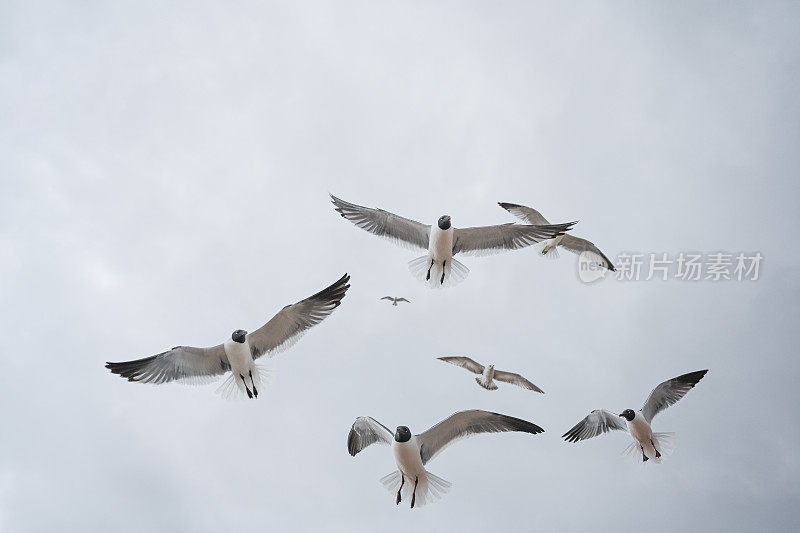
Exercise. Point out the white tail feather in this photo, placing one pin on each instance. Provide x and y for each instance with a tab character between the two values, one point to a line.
233	388
665	444
486	385
454	272
429	487
547	249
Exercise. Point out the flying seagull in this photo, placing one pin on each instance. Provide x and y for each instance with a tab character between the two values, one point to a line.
637	423
569	242
412	452
238	354
488	374
395	299
442	241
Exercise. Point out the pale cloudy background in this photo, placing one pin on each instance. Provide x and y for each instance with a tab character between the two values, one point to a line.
164	174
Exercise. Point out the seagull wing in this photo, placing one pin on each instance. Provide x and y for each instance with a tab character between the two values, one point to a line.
466	423
486	240
464	362
516	379
184	363
291	322
365	431
387	298
403	231
403	300
528	215
670	392
577	245
596	423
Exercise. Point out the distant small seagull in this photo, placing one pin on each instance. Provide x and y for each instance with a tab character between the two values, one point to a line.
488	374
637	423
412	452
238	354
395	299
442	241
569	242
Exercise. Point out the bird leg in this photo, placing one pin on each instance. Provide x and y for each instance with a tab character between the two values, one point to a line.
414	494
402	482
658	454
644	457
255	390
428	277
249	394
441	281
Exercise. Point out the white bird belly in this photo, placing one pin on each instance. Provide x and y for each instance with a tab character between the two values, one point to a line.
440	244
641	432
239	357
406	455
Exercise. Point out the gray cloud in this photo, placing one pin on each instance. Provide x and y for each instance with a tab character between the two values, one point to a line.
165	173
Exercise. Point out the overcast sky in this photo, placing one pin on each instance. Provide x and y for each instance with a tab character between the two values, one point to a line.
164	174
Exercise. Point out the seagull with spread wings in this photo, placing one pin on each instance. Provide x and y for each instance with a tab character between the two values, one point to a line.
569	242
395	299
438	268
637	423
238	354
412	452
488	375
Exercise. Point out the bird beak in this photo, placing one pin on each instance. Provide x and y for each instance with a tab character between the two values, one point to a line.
621	415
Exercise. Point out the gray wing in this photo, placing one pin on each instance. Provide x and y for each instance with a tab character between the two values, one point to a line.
365	431
485	240
285	328
403	231
387	298
184	363
466	423
596	423
516	379
577	245
528	215
464	362
670	392
403	300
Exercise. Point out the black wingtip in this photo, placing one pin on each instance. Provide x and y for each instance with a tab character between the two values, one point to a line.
130	369
507	206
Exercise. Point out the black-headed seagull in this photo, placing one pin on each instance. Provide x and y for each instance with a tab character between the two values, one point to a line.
567	241
438	268
237	355
637	423
411	481
488	374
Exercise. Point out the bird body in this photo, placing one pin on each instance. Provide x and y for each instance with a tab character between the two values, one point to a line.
488	374
440	248
485	379
237	354
549	248
441	241
638	423
639	428
412	481
395	300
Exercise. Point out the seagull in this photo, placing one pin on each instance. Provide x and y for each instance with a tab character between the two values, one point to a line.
488	374
395	299
637	423
442	241
238	354
574	244
412	452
